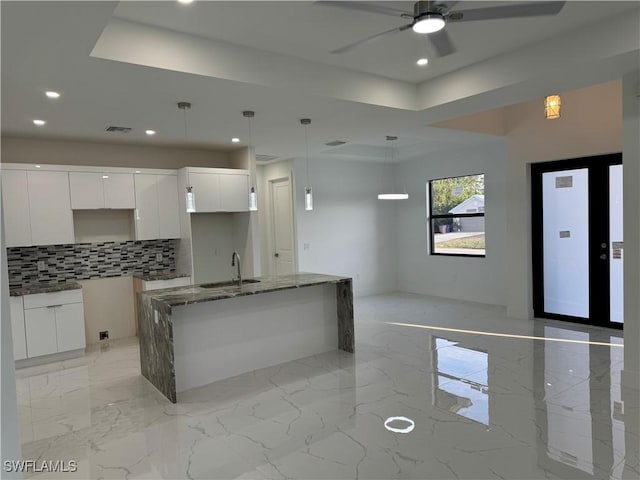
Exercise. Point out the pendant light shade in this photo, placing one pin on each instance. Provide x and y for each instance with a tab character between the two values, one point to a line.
191	201
391	194
308	192
308	198
253	195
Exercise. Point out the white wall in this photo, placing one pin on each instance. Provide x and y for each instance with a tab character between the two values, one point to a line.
108	305
349	232
10	442
464	278
69	152
213	244
590	124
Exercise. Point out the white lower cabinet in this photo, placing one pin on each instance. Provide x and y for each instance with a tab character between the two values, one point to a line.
17	328
53	322
40	328
70	327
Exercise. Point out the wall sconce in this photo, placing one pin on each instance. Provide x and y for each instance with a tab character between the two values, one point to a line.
552	107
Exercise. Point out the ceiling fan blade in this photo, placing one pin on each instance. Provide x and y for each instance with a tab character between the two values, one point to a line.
441	43
367	7
507	11
353	45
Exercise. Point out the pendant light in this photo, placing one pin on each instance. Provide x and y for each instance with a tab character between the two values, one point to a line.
392	195
190	199
253	195
552	105
308	193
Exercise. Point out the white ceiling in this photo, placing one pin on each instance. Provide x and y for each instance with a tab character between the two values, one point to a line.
48	45
309	31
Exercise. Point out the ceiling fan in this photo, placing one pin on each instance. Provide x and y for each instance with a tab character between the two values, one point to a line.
430	17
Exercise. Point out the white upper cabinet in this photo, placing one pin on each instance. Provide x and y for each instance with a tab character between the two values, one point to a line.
157	209
220	190
118	190
146	215
234	193
87	192
15	197
206	191
50	212
94	190
168	206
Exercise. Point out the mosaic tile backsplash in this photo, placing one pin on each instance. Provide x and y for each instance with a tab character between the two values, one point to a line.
83	261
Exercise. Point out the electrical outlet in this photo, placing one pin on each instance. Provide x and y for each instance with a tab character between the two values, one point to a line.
158	257
41	265
104	335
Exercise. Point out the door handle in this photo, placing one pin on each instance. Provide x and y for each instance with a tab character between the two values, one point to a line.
276	254
603	256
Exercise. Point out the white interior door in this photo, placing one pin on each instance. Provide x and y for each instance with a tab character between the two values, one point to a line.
282	227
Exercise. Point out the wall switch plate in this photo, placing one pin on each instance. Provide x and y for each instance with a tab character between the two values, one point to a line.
158	257
307	246
41	265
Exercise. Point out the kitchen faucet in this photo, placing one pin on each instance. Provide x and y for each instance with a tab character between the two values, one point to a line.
235	256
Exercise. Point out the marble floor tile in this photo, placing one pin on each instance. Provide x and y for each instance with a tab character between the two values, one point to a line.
483	395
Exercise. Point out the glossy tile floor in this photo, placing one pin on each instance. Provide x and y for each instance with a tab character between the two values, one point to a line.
539	400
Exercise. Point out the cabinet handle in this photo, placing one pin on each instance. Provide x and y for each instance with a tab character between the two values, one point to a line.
137	214
54	306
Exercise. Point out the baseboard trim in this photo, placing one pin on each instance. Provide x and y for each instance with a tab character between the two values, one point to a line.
54	357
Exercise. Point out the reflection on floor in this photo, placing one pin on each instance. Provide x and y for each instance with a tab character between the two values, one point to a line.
538	401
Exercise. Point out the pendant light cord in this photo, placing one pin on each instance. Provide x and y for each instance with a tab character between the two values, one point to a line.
306	143
184	111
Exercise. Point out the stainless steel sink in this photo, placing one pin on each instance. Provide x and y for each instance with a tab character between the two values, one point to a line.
229	283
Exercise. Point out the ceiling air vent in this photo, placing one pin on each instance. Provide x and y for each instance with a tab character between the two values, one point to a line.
114	129
265	158
335	143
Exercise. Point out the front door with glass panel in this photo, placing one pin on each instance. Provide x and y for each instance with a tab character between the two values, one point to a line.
577	240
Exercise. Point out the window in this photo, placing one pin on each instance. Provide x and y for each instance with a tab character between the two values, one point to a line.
456	216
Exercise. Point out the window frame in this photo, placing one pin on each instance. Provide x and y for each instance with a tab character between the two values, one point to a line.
431	217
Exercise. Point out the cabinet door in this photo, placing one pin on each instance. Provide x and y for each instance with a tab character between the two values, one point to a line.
70	327
50	208
234	193
40	330
168	206
146	214
17	328
15	198
87	192
118	190
206	191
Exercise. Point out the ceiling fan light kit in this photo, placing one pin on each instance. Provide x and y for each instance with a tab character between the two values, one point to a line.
429	23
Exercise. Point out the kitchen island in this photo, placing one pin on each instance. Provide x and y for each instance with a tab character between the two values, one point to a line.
195	335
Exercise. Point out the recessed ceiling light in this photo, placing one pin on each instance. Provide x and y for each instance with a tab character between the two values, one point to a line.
235	139
150	132
422	61
39	122
185	1
52	94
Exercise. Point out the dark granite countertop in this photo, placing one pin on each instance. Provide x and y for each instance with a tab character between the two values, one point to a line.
43	288
151	276
174	297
